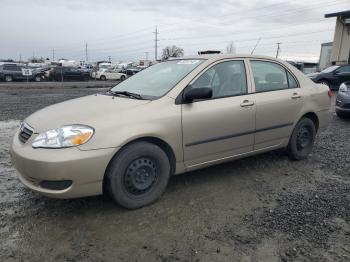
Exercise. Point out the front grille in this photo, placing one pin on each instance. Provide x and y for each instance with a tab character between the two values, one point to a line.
25	133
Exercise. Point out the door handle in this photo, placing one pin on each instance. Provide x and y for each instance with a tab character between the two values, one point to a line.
295	96
247	103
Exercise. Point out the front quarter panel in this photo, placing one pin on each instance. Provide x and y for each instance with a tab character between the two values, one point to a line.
159	119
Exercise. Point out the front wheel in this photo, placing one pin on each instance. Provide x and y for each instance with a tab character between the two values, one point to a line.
138	175
122	78
103	78
302	139
8	78
341	114
324	82
37	78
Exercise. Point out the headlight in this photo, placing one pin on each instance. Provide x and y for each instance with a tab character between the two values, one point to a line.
343	88
66	136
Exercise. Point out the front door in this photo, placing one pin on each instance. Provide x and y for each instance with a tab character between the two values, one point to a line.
342	75
223	126
278	100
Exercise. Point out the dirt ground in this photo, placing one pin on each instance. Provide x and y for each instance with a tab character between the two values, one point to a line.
262	208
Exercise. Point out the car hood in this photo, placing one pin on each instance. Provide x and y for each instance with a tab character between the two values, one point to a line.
89	110
313	75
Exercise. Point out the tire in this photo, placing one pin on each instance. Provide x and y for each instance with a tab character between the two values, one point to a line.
103	78
302	139
342	115
37	78
324	82
122	78
138	175
8	78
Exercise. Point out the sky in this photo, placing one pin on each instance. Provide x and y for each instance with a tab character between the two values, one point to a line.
124	30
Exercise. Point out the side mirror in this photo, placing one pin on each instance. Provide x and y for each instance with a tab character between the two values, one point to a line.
197	93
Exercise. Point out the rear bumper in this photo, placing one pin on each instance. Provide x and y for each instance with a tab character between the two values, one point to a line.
324	118
38	168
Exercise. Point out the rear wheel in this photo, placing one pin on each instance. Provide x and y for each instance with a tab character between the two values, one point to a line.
341	114
302	139
324	82
37	78
138	175
122	78
8	78
103	78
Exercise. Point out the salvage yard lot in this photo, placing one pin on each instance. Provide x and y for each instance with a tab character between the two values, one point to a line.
262	208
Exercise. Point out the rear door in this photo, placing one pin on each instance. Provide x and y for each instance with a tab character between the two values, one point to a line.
223	126
278	100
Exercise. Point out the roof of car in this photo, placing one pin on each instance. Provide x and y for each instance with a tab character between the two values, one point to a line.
221	56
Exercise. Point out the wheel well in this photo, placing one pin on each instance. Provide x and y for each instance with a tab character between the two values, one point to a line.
153	140
314	118
322	80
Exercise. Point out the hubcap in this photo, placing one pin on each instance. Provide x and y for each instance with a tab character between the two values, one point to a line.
303	138
140	176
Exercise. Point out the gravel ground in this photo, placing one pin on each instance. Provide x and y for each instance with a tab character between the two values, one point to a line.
262	208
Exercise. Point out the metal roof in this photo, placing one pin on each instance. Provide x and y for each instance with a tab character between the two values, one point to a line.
345	14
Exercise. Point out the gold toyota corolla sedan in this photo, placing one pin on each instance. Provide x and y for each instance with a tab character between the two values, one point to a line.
174	117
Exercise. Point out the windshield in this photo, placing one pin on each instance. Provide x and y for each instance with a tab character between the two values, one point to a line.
158	79
330	69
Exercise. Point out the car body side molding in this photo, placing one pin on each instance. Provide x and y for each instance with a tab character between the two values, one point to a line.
212	139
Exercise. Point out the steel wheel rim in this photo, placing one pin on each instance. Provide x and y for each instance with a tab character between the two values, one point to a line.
304	138
140	176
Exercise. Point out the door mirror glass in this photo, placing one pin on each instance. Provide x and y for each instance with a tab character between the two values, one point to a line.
198	93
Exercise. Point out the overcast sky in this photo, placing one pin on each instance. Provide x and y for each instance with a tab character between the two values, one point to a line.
124	29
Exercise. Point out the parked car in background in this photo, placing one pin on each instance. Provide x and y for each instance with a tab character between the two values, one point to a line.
109	74
63	73
173	117
13	72
332	76
342	105
132	70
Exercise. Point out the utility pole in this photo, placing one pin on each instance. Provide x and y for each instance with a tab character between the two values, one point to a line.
278	49
146	56
53	54
20	57
86	52
109	58
156	43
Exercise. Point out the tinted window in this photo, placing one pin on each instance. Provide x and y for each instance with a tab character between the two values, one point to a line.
226	79
10	67
269	76
344	69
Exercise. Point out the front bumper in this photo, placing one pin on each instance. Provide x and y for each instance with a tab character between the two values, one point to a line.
85	169
342	103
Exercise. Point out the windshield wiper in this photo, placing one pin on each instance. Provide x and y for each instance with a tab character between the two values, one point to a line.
126	93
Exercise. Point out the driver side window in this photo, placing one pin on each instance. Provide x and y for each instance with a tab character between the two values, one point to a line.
225	79
343	69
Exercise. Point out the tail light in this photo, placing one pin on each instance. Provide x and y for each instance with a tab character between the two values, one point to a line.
330	93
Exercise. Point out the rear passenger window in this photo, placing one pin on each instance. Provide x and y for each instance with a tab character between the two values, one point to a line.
269	76
291	81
